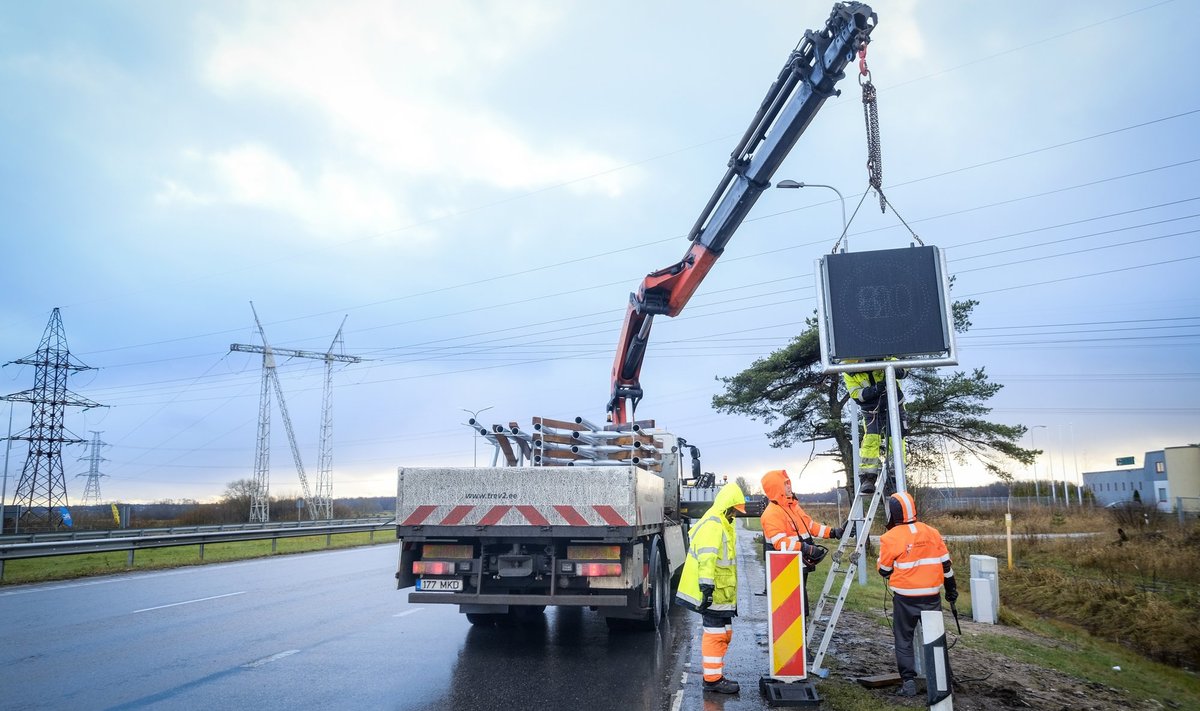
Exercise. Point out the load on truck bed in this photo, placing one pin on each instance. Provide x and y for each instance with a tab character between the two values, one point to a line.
599	531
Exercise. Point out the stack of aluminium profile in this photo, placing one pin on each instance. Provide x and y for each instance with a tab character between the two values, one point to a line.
558	443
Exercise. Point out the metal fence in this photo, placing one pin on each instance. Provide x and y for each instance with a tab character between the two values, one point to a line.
943	503
1187	507
134	540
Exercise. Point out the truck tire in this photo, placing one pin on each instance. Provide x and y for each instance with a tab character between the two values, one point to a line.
660	591
482	619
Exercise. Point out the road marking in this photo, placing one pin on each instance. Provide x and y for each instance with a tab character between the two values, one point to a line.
408	612
678	700
267	660
188	602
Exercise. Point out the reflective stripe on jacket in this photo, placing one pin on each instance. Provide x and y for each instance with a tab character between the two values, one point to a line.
914	559
712	557
784	523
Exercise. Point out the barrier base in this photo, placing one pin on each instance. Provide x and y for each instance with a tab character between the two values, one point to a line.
784	693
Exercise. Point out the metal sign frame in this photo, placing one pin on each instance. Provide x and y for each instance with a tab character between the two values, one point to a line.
830	364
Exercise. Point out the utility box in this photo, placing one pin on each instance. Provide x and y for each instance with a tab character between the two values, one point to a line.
985	589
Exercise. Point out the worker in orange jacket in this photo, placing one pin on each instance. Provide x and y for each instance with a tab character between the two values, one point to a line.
787	528
916	563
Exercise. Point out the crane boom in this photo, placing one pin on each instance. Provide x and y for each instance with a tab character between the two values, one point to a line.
805	82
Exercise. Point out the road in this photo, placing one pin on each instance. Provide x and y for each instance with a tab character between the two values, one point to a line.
315	631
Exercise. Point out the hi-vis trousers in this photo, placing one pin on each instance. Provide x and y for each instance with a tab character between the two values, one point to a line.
718	631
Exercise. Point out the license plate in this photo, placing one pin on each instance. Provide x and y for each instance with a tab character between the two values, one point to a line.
440	584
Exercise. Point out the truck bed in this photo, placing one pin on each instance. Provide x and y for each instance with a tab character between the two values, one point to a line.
577	500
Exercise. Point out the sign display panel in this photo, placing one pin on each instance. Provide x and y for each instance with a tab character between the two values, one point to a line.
885	303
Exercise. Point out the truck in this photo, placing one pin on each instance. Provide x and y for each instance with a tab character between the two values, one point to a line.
598	531
581	515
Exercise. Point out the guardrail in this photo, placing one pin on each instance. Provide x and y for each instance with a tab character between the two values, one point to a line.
146	539
79	535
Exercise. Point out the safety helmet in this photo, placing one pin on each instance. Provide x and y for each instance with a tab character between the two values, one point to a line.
901	508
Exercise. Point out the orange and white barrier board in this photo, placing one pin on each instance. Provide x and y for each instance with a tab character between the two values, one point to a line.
785	623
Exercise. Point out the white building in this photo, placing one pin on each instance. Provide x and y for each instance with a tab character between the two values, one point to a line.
1167	478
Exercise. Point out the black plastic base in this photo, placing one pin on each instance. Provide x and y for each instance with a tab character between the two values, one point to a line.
784	693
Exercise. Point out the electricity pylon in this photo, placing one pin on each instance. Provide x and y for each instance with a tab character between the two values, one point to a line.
42	489
322	505
91	490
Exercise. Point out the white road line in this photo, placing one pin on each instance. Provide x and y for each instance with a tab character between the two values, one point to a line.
188	602
408	612
267	660
678	700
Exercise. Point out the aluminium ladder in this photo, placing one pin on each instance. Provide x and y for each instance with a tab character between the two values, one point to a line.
863	528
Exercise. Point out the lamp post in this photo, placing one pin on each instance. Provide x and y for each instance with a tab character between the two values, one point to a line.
857	511
1037	491
792	184
475	438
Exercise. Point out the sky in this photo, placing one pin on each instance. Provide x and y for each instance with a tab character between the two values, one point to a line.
476	187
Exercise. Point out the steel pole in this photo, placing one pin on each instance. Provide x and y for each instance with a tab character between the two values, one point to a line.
475	438
1037	489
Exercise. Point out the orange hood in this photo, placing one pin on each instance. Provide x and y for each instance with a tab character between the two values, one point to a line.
774	485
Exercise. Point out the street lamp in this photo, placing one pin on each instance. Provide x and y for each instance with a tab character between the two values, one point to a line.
857	512
475	426
793	185
1037	491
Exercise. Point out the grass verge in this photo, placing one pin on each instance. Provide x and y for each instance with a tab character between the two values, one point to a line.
32	570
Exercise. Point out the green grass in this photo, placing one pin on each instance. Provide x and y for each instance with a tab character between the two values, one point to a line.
1073	651
65	567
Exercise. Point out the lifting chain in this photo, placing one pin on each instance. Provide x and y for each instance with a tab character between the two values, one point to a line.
871	116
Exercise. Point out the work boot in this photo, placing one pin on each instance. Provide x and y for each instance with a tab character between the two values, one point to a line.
868	483
724	686
908	688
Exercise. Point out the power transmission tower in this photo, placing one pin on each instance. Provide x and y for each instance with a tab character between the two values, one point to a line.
322	507
42	489
91	490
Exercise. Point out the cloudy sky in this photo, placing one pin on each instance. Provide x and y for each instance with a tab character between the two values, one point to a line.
477	186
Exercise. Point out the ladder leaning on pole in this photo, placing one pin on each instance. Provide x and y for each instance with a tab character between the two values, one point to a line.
845	567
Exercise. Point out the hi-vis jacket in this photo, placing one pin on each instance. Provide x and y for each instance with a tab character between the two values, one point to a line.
784	523
855	382
712	557
912	556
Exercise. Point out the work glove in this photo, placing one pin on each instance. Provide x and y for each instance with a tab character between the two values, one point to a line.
836	534
812	554
869	393
951	590
706	595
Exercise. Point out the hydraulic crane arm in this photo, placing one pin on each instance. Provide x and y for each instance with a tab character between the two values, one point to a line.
806	81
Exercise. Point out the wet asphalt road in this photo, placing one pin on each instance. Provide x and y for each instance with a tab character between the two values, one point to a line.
327	630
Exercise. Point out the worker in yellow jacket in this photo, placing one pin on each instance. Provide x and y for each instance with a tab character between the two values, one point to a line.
916	563
708	583
869	390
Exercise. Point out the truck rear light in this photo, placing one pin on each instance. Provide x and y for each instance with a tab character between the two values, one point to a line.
598	570
433	567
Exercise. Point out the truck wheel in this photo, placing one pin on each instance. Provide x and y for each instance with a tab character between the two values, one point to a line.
659	593
481	619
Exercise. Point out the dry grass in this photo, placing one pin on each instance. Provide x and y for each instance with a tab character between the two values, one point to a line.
1140	589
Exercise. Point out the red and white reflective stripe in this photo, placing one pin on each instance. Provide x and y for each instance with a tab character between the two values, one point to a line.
546	515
